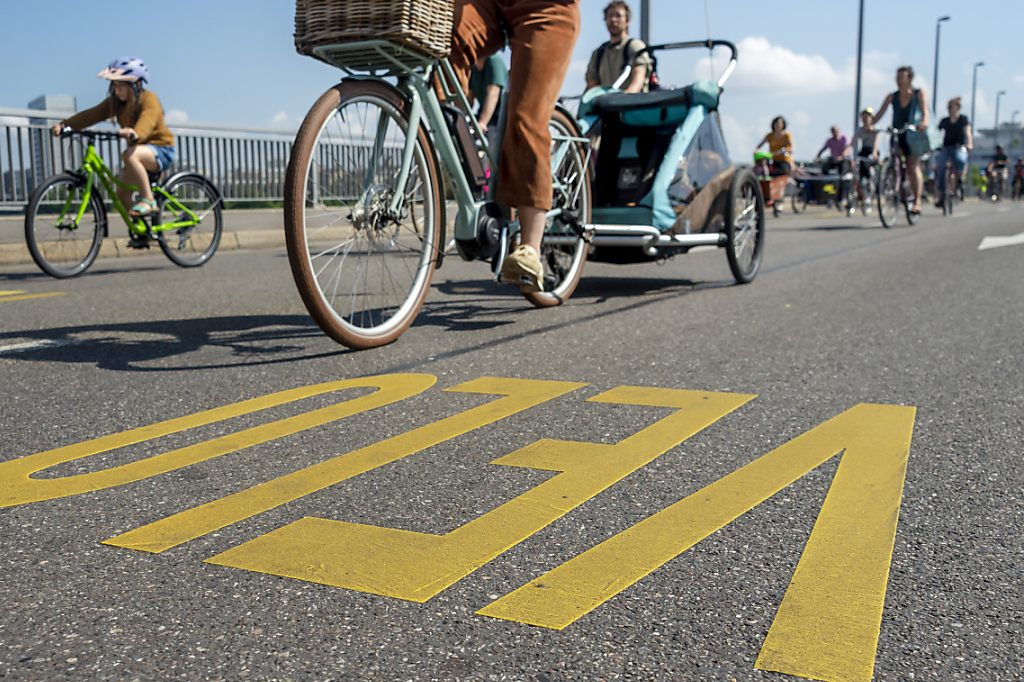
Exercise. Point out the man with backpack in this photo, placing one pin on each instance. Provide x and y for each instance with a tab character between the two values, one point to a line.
609	60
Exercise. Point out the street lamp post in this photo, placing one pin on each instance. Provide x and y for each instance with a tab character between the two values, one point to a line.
645	21
974	91
995	129
935	79
860	51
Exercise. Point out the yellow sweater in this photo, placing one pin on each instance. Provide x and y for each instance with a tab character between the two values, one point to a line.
149	125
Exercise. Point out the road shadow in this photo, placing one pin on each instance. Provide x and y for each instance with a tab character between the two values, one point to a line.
252	340
37	276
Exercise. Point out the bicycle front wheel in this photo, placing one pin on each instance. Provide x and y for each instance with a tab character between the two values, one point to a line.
563	249
362	245
193	207
888	195
60	243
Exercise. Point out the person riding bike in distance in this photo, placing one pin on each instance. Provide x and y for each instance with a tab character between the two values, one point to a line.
839	160
907	102
957	143
542	34
140	118
780	143
865	144
609	60
997	171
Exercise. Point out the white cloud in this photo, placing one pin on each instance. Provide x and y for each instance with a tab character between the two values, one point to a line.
280	118
1018	79
739	138
764	67
176	117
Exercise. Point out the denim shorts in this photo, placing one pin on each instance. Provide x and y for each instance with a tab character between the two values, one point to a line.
164	155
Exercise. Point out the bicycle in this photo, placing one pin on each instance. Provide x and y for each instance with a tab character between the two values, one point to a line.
66	217
866	183
953	189
894	183
997	183
364	202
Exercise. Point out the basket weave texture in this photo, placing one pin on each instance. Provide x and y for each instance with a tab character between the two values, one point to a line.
423	25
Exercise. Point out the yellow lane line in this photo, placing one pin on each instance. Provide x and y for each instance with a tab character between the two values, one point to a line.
9	296
519	395
418	566
828	624
18	487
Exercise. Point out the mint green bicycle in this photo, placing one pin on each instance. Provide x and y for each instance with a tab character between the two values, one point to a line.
66	218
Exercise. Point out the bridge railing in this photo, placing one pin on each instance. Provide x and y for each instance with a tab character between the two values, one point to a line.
247	164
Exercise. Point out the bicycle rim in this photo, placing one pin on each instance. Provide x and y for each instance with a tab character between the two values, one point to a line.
59	245
888	197
362	271
195	244
563	251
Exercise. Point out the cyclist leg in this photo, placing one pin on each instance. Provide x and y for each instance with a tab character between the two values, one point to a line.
543	34
137	161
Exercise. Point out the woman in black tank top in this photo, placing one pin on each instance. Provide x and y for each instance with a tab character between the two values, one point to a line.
905	100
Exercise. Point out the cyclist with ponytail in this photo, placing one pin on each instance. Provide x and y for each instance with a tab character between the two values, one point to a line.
139	116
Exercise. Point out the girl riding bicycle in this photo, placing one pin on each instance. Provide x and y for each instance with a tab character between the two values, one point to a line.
140	119
865	144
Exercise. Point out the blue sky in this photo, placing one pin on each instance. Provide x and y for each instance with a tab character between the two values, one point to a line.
233	62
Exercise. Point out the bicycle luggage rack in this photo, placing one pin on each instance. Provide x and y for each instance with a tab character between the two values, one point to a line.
373	57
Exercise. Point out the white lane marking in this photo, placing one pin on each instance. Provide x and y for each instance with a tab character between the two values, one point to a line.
34	345
996	242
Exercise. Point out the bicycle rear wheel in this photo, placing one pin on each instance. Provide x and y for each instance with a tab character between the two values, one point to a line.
888	195
194	244
950	193
60	246
362	269
563	250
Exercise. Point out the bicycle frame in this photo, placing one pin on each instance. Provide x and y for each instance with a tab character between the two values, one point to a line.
94	167
415	82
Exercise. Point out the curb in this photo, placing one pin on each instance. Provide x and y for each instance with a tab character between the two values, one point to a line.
116	247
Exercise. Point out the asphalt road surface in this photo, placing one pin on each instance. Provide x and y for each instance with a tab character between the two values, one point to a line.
694	521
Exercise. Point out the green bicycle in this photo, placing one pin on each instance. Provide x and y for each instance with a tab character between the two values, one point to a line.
66	218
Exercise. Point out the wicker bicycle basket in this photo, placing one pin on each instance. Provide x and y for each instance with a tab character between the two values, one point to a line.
338	31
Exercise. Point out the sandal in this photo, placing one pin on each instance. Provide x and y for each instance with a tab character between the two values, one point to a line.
144	207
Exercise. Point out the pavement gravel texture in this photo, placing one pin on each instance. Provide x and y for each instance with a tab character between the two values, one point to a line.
843	312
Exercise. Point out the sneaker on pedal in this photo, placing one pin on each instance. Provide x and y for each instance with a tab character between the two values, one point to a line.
523	268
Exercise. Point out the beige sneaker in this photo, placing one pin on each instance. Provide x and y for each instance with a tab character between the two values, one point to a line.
523	268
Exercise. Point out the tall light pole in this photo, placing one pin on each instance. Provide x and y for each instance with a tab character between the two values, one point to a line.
935	79
1013	118
645	21
995	129
974	91
860	51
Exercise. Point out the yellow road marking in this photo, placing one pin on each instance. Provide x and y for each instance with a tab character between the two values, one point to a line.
418	566
8	296
519	395
828	624
18	487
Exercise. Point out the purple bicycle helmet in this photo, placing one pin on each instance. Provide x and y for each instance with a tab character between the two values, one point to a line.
130	69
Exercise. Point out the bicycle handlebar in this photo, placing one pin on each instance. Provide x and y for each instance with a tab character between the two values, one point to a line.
89	134
709	44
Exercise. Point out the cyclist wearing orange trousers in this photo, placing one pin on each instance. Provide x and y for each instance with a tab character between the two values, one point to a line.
542	34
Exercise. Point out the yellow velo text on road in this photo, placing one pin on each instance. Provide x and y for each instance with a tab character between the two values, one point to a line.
826	627
11	296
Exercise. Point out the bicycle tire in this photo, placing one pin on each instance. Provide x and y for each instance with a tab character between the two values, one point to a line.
949	194
799	199
887	195
563	263
321	170
744	227
190	247
45	252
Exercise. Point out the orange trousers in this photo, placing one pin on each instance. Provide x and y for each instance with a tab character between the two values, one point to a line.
542	34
